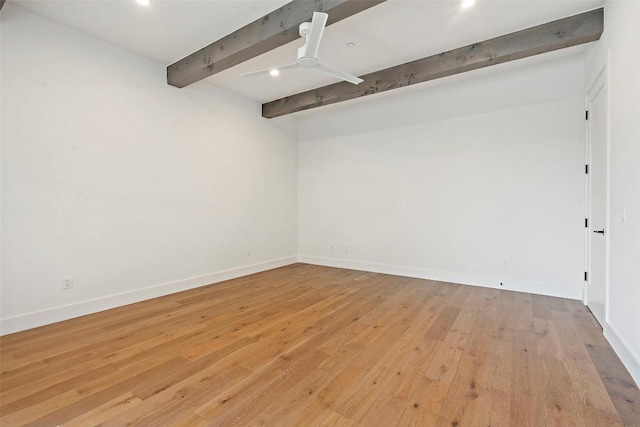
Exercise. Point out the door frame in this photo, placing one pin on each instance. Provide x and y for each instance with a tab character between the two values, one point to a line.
603	77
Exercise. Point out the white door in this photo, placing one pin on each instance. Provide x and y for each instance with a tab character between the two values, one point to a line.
598	199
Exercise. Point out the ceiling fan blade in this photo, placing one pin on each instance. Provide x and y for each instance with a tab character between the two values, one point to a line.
269	70
318	22
340	74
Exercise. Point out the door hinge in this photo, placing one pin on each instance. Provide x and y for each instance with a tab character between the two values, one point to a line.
586	276
586	115
586	222
586	168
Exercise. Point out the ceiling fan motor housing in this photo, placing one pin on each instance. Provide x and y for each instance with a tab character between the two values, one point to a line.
304	61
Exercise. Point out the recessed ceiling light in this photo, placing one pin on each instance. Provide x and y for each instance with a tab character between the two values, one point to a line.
275	72
143	2
467	3
351	45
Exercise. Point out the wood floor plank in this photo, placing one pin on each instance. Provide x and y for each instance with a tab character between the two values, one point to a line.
618	383
177	403
301	403
55	389
587	384
462	396
547	341
442	325
424	402
37	408
103	413
336	420
385	411
526	390
561	407
251	397
313	346
383	374
90	400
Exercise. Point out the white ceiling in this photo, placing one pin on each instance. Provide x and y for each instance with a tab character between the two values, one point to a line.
388	34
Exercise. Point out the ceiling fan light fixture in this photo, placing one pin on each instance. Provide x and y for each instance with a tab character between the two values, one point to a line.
467	4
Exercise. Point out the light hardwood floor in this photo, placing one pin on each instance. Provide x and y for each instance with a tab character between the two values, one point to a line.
306	345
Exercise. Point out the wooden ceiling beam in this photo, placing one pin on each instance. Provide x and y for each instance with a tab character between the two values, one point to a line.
262	35
578	29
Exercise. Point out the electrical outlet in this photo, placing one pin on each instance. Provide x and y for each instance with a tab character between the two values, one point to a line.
332	248
248	253
67	282
505	262
346	248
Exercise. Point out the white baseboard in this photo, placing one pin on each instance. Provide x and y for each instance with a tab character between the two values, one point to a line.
541	288
56	314
629	359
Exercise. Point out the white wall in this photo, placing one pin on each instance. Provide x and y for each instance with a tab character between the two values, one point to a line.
620	40
445	182
133	187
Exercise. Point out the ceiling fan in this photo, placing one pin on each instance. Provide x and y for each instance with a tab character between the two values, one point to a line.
308	54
